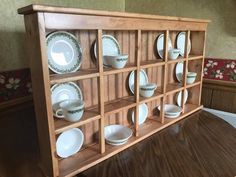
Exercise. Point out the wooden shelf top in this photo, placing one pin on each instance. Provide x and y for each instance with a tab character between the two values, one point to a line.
57	9
88	116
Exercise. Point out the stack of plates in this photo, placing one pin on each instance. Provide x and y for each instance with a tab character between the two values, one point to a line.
171	110
117	134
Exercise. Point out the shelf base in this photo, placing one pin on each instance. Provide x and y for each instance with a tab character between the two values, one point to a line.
91	156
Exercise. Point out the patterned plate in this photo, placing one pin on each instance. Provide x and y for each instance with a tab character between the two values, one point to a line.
64	52
64	91
110	46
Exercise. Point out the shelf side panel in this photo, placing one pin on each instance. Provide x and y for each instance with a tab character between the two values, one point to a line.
42	97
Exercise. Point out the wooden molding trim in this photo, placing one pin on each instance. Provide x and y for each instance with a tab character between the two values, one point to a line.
22	102
219	85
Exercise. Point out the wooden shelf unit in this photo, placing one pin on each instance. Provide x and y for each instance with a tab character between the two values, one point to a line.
105	90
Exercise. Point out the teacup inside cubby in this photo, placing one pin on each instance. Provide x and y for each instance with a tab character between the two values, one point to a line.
194	73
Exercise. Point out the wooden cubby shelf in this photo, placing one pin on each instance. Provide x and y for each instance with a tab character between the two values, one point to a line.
157	94
105	91
119	104
151	63
193	57
69	77
128	68
88	116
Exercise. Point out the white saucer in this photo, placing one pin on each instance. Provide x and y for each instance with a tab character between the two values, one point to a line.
64	91
178	97
181	43
179	69
143	113
160	45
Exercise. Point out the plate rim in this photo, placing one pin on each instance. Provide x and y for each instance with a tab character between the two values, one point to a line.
132	73
189	43
77	150
106	36
78	46
169	43
66	83
177	95
146	115
180	62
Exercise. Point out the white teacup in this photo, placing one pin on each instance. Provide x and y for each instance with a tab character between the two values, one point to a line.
116	61
70	110
173	53
147	90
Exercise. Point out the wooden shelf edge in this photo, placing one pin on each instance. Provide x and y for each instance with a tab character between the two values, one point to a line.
151	64
70	77
76	124
198	57
117	71
175	61
193	85
156	127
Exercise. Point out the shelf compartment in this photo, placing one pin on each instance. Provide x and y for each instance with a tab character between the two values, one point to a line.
157	94
69	77
192	85
188	109
91	156
151	63
173	87
180	59
128	68
119	104
88	116
195	57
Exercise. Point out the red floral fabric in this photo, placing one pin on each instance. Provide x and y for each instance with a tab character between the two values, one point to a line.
15	84
220	69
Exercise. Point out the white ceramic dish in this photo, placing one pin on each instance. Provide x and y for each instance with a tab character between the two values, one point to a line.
171	110
172	116
143	79
147	90
179	69
110	47
64	91
178	97
69	142
117	133
116	61
173	54
64	52
181	43
191	77
160	45
116	144
143	113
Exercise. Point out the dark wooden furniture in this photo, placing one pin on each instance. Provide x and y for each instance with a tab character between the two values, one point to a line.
220	95
136	33
199	146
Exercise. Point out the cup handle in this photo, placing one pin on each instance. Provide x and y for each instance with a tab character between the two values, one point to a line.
59	113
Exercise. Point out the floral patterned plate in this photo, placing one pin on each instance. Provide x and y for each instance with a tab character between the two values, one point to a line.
110	46
64	91
64	52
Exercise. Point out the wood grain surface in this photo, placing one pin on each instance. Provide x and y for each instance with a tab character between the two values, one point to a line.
201	145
